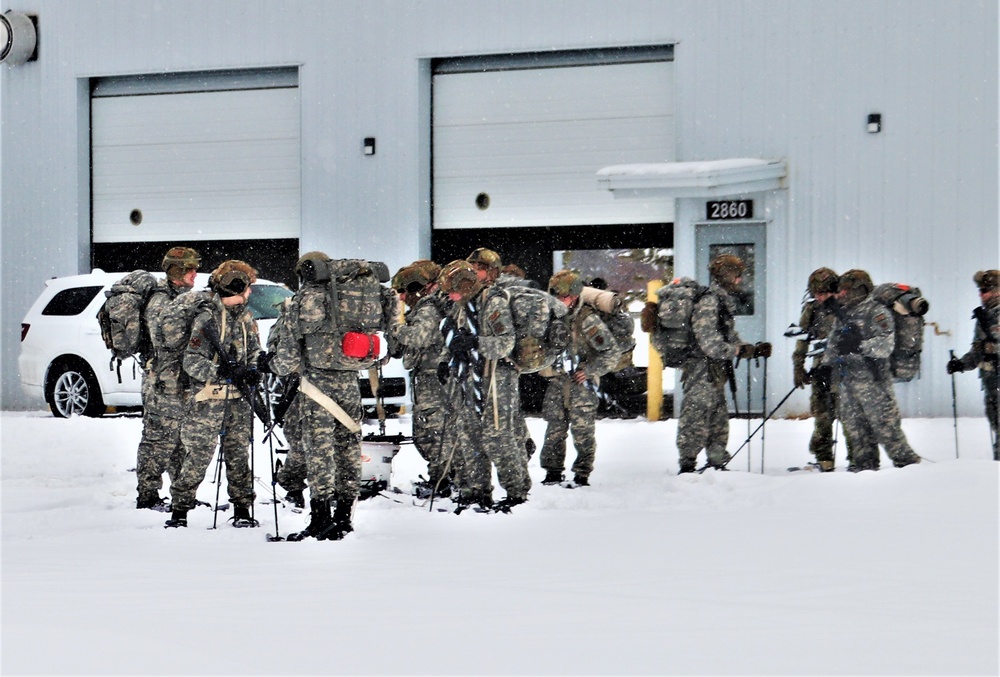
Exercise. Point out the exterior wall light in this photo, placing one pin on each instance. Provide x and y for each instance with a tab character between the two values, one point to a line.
874	123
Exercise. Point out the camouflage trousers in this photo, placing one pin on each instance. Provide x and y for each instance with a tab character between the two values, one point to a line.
867	407
206	424
292	474
333	453
160	450
704	419
823	405
569	407
503	430
462	448
430	410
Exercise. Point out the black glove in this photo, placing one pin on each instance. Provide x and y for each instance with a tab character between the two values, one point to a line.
463	343
443	372
745	351
849	340
800	376
955	366
762	349
264	362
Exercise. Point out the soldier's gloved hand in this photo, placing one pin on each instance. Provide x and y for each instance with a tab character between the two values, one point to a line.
801	377
443	372
849	340
463	343
226	370
649	317
762	349
264	362
955	366
745	351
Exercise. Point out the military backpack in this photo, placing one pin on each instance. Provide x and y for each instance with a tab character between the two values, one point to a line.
673	335
614	313
121	317
908	308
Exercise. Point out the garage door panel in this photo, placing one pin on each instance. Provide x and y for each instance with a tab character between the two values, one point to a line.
197	166
534	140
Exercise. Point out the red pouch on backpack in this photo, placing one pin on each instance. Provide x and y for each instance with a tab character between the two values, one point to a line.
359	345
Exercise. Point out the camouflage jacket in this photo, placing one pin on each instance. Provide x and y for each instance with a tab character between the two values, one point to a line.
877	328
496	325
714	327
419	337
237	331
164	363
816	320
983	353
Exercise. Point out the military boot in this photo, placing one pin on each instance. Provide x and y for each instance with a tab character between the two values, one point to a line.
242	518
178	518
152	502
296	498
553	477
319	520
340	523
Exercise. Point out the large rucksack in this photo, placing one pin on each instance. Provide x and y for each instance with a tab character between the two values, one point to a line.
121	317
614	313
353	312
673	335
538	338
908	308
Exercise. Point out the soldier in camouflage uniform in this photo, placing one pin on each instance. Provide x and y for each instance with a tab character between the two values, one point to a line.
329	395
704	417
861	341
218	413
571	399
504	428
983	353
817	318
421	344
164	397
461	374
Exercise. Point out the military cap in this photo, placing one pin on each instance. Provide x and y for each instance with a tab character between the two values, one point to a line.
987	280
566	283
232	278
183	258
460	277
487	257
823	281
853	281
725	267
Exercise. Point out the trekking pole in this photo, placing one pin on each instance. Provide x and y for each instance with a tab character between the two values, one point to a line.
763	408
253	474
954	404
274	476
223	431
447	465
747	441
749	454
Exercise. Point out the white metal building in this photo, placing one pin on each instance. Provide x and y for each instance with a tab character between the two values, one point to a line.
857	133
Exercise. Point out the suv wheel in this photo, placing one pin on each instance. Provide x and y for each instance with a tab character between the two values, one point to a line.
72	390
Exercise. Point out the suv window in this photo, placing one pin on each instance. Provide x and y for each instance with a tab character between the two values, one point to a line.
265	301
71	301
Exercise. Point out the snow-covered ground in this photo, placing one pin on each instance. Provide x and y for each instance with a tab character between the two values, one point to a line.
893	572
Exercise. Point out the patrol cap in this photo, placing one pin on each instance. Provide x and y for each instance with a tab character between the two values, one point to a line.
232	278
184	258
485	256
987	280
853	281
725	267
823	281
566	283
460	277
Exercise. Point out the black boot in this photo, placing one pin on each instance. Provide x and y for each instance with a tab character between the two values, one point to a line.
296	498
152	502
553	477
242	518
319	520
340	523
179	518
581	480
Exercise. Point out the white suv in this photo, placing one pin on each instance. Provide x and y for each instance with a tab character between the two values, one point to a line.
64	360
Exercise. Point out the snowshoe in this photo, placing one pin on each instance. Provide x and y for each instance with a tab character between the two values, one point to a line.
504	505
241	518
153	502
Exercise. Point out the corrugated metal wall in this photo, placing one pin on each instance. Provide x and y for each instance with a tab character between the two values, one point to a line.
759	78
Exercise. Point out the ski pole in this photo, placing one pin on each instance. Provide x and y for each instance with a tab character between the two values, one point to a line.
763	408
747	441
218	467
954	404
749	455
274	475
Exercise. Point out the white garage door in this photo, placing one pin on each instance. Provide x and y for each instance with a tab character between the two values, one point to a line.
193	166
522	147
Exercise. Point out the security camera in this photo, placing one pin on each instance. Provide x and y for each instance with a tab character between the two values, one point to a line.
17	38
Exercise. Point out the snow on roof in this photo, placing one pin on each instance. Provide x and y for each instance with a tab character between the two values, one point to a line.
732	176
